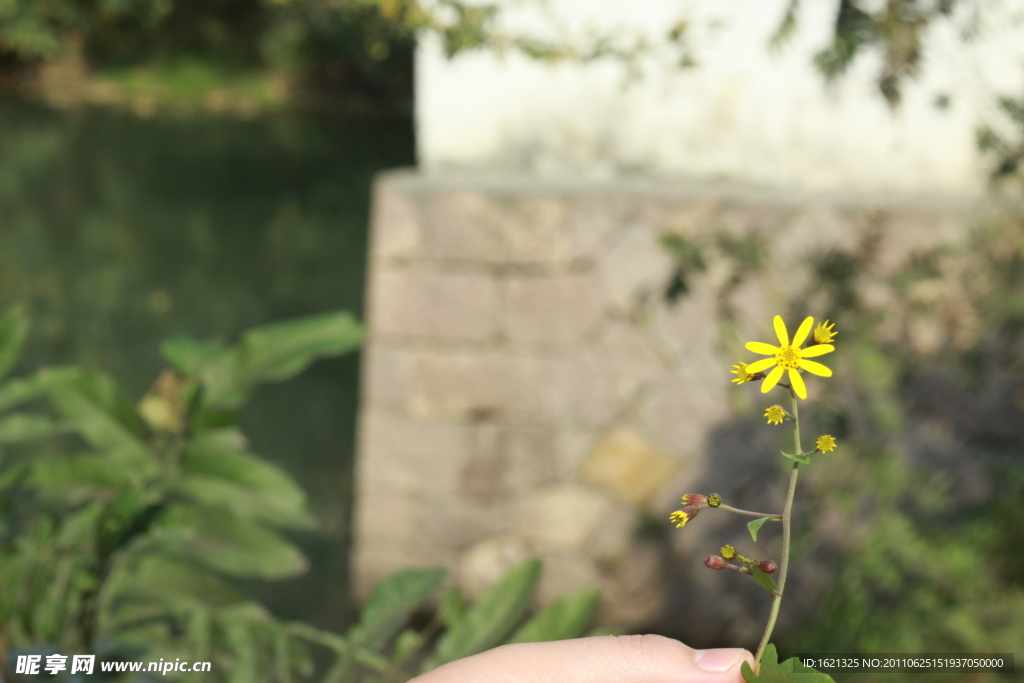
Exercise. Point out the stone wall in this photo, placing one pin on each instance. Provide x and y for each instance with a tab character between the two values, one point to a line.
529	390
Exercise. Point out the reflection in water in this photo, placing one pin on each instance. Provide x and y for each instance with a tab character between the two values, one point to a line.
118	232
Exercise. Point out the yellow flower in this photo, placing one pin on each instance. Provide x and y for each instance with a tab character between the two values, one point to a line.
741	373
789	357
728	552
826	443
824	333
775	415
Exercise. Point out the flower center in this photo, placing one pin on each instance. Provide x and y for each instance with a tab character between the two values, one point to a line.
788	359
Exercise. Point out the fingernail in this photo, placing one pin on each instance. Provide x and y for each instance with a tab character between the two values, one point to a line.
717	661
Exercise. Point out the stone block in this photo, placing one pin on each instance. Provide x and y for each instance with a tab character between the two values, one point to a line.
582	391
509	459
395	221
551	309
475	226
423	302
684	405
387	373
562	519
465	384
626	465
628	357
411	456
636	270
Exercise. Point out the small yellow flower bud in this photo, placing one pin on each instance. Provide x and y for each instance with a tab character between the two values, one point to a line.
741	373
826	443
728	552
824	333
775	415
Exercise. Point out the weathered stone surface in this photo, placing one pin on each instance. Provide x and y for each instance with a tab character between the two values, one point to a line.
551	309
561	519
397	219
412	456
628	466
435	304
387	374
510	459
474	385
482	227
636	270
628	357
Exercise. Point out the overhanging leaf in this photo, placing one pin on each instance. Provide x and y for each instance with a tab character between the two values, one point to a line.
13	331
23	427
491	617
237	547
393	600
274	353
561	620
190	355
220	473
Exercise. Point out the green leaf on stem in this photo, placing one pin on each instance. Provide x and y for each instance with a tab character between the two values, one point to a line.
789	671
491	618
763	580
796	456
755	525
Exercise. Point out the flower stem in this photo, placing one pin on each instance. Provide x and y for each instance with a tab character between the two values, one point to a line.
749	513
787	526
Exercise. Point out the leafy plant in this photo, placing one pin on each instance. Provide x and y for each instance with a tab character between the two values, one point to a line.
123	526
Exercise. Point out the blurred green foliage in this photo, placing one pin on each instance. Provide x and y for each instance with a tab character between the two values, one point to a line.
896	28
913	528
352	47
119	232
123	527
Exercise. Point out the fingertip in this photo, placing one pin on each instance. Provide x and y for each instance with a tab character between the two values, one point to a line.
723	661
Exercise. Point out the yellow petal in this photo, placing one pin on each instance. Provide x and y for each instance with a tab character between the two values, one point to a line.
780	329
760	365
815	368
771	380
817	350
763	349
805	329
798	383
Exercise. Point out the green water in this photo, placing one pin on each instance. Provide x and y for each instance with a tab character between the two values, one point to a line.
118	231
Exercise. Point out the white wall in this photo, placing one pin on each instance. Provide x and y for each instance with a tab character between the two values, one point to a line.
744	114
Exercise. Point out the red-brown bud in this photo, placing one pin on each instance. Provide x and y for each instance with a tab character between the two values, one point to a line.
715	562
767	566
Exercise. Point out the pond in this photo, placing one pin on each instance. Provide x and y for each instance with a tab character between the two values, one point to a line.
117	232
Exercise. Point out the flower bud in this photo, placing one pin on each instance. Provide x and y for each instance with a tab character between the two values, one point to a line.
681	517
715	562
767	566
695	499
728	552
714	500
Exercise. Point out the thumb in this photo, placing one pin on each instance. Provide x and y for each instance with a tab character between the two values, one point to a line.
601	659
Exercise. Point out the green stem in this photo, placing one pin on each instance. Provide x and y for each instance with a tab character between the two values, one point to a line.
787	525
748	513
